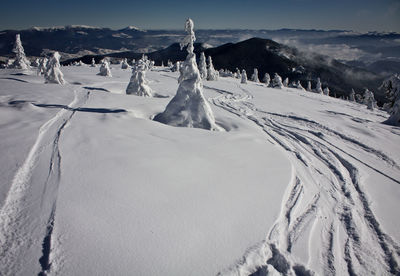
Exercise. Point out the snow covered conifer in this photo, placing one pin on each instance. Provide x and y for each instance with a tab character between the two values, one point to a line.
326	91
176	67
138	83
53	73
189	108
212	74
124	64
254	77
105	68
93	64
286	82
369	99
244	77
309	89
20	62
267	79
203	66
277	81
392	90
352	96
318	88
36	62
42	66
299	86
238	75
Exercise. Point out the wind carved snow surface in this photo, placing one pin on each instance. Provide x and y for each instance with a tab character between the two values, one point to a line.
299	184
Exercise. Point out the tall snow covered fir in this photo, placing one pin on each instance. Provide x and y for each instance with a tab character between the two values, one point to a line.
203	66
53	73
254	77
212	74
21	62
189	108
244	77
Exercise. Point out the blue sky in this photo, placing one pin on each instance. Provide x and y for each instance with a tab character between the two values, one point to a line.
358	15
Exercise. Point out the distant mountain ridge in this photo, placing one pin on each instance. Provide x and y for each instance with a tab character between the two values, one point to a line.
269	57
73	39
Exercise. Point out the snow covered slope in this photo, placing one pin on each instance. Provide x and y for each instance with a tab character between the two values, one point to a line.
299	183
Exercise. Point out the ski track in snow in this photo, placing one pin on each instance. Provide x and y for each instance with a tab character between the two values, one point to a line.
324	205
27	216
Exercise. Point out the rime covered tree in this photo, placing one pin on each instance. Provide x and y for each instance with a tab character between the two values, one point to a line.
20	62
238	75
277	81
267	79
203	66
254	77
212	74
138	84
93	64
369	99
36	62
189	108
286	82
352	96
326	91
299	86
53	73
124	64
42	66
176	67
391	87
309	88
105	68
244	77
318	88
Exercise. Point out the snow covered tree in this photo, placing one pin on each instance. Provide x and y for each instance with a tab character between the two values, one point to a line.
212	74
267	79
391	87
369	99
36	62
392	91
326	91
138	84
277	81
244	77
299	86
53	73
189	108
80	63
318	88
124	64
238	75
176	67
20	62
105	68
93	64
42	66
309	89
254	77
286	82
352	96
203	66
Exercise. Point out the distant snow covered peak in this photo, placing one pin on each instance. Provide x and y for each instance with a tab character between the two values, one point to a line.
132	28
35	28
